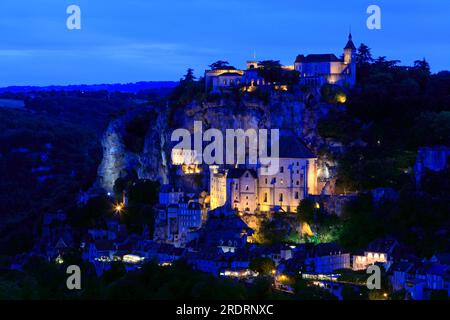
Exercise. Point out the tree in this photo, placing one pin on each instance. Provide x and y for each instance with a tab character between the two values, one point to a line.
272	71
351	293
360	225
423	66
385	64
306	211
264	266
220	64
363	61
270	64
143	192
364	55
261	289
189	76
432	129
116	272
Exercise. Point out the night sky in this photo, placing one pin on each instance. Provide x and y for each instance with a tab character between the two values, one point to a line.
145	40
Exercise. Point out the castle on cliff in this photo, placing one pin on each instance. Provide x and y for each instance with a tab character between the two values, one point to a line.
313	69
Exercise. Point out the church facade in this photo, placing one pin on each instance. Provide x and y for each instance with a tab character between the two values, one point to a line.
253	190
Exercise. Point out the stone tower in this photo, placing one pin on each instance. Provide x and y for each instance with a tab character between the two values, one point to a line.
349	51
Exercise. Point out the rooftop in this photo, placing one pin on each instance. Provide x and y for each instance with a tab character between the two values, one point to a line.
314	58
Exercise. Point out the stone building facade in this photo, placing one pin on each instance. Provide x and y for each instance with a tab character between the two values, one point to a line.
252	190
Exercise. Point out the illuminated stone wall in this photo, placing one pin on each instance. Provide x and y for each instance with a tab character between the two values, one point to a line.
218	187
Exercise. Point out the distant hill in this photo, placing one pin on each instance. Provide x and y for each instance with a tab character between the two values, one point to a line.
118	87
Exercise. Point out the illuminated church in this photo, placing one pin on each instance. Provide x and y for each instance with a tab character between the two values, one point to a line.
252	190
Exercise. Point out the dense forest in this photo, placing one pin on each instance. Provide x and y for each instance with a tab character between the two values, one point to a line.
392	112
50	150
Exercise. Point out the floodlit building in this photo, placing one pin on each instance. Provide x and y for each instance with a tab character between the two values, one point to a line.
313	69
255	190
319	69
326	258
379	251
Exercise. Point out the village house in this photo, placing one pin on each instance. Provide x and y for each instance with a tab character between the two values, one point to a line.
179	216
378	251
228	233
420	279
170	195
325	258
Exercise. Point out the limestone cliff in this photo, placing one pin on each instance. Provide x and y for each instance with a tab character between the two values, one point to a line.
152	159
150	162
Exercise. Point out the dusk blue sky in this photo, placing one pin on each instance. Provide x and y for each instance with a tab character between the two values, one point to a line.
144	40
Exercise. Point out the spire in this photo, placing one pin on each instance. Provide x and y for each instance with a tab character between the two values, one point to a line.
350	44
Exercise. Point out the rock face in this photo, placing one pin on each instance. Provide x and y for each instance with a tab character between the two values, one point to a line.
119	161
152	161
284	111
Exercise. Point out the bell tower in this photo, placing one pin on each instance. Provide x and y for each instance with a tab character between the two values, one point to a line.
349	51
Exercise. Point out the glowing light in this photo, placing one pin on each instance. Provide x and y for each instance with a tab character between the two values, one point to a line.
118	208
306	230
282	278
59	260
131	258
165	264
341	98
